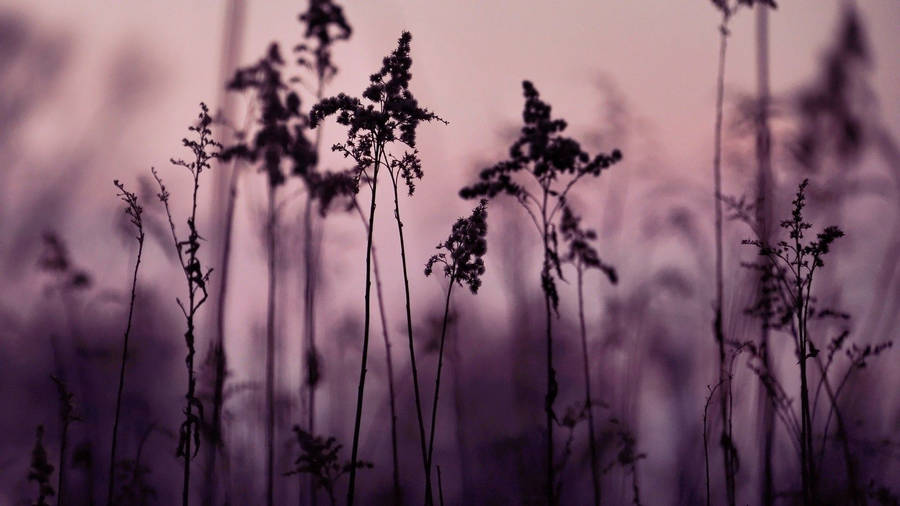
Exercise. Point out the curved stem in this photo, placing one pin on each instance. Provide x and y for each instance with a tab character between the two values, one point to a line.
389	362
551	373
270	352
115	433
437	381
429	500
351	488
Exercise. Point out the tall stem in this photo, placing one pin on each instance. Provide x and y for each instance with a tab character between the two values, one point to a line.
217	347
551	373
270	352
309	271
389	362
351	488
763	218
429	499
718	322
190	338
800	301
588	400
112	453
311	244
225	185
437	381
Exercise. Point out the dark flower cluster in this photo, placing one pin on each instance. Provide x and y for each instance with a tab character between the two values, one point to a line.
325	24
542	151
281	125
393	114
133	210
203	148
789	266
581	252
464	250
555	162
326	187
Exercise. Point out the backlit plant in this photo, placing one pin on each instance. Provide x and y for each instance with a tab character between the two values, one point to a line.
461	257
389	118
543	167
204	149
583	256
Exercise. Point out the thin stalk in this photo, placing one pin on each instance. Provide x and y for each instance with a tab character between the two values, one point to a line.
712	391
312	244
351	488
588	402
115	432
763	218
437	381
843	436
217	347
440	486
270	352
389	362
196	281
429	499
456	364
718	322
551	373
220	363
801	299
189	359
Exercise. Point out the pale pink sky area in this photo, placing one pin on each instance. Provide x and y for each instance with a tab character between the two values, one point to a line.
469	59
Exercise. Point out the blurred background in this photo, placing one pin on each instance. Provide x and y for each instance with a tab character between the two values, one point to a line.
96	90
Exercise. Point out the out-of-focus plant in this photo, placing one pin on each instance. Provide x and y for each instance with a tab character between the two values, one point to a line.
135	490
545	158
728	9
584	257
204	149
391	117
66	417
320	459
325	24
41	469
279	136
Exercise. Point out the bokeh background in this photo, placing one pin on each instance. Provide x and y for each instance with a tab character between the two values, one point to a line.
92	91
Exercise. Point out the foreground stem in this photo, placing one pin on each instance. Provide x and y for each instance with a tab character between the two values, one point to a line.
351	488
115	433
437	381
429	499
389	362
270	353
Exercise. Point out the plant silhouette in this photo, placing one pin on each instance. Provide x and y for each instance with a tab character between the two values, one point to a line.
391	117
542	157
